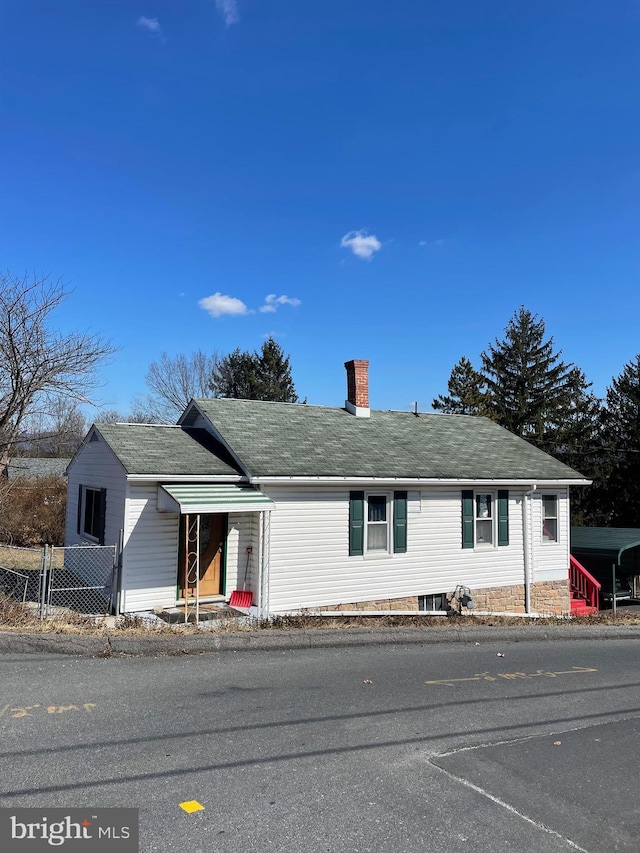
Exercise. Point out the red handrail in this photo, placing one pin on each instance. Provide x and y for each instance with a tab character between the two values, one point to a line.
583	583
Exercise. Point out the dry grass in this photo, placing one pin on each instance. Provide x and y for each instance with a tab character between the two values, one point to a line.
310	622
16	616
33	511
20	559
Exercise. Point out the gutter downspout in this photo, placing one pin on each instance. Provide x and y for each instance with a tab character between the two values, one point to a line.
260	549
263	564
526	527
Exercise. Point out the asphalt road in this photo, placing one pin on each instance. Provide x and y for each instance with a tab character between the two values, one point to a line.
393	748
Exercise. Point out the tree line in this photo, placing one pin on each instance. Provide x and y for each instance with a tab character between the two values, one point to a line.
46	377
522	383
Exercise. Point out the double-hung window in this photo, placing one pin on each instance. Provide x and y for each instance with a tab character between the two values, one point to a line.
377	523
483	506
485	519
549	518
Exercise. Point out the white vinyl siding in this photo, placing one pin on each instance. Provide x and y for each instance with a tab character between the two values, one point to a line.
150	560
96	467
242	535
150	556
550	559
310	565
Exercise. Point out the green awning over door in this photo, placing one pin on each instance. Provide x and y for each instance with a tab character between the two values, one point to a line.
211	498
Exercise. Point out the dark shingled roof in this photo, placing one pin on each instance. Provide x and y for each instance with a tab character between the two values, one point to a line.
32	467
166	450
292	439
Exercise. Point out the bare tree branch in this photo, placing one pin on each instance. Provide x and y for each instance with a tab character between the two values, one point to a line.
174	381
37	362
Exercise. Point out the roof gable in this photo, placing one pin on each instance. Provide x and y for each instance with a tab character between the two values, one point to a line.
154	449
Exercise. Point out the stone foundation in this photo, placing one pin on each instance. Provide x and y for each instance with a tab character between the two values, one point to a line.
546	597
408	603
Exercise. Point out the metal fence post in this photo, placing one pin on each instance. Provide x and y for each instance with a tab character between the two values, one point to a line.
43	583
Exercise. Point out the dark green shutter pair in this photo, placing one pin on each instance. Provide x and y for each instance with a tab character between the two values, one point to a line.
468	518
357	523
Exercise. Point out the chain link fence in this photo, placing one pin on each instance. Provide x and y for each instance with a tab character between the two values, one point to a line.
77	577
20	572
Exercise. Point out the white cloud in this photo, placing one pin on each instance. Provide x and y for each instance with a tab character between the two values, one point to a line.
151	25
361	244
272	303
219	304
228	9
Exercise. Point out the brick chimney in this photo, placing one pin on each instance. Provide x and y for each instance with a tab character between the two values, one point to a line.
357	401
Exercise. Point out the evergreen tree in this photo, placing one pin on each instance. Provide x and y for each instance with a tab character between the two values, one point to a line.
467	391
621	428
236	376
274	374
527	383
579	444
264	375
526	387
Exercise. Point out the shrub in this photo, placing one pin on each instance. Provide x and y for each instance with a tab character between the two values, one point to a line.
32	512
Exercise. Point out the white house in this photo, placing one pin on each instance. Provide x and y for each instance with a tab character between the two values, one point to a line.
318	508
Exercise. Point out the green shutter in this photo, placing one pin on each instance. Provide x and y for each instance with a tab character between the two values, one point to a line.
467	519
503	517
399	522
356	524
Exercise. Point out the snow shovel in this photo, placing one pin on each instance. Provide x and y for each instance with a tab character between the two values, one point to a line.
242	597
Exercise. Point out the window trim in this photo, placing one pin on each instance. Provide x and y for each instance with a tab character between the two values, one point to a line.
491	518
396	504
378	552
499	518
96	533
544	518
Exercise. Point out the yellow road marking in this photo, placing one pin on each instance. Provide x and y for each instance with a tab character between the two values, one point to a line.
511	676
191	806
21	711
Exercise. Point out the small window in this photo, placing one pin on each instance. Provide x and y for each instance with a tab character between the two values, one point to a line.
377	524
549	518
484	519
91	513
438	601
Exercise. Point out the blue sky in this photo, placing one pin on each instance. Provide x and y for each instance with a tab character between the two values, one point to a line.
384	180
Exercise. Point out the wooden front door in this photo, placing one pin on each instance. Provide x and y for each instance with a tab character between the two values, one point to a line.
211	547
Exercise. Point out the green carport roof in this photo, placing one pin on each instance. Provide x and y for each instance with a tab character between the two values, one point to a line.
605	540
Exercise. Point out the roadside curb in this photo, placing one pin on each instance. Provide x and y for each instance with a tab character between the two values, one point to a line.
268	640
